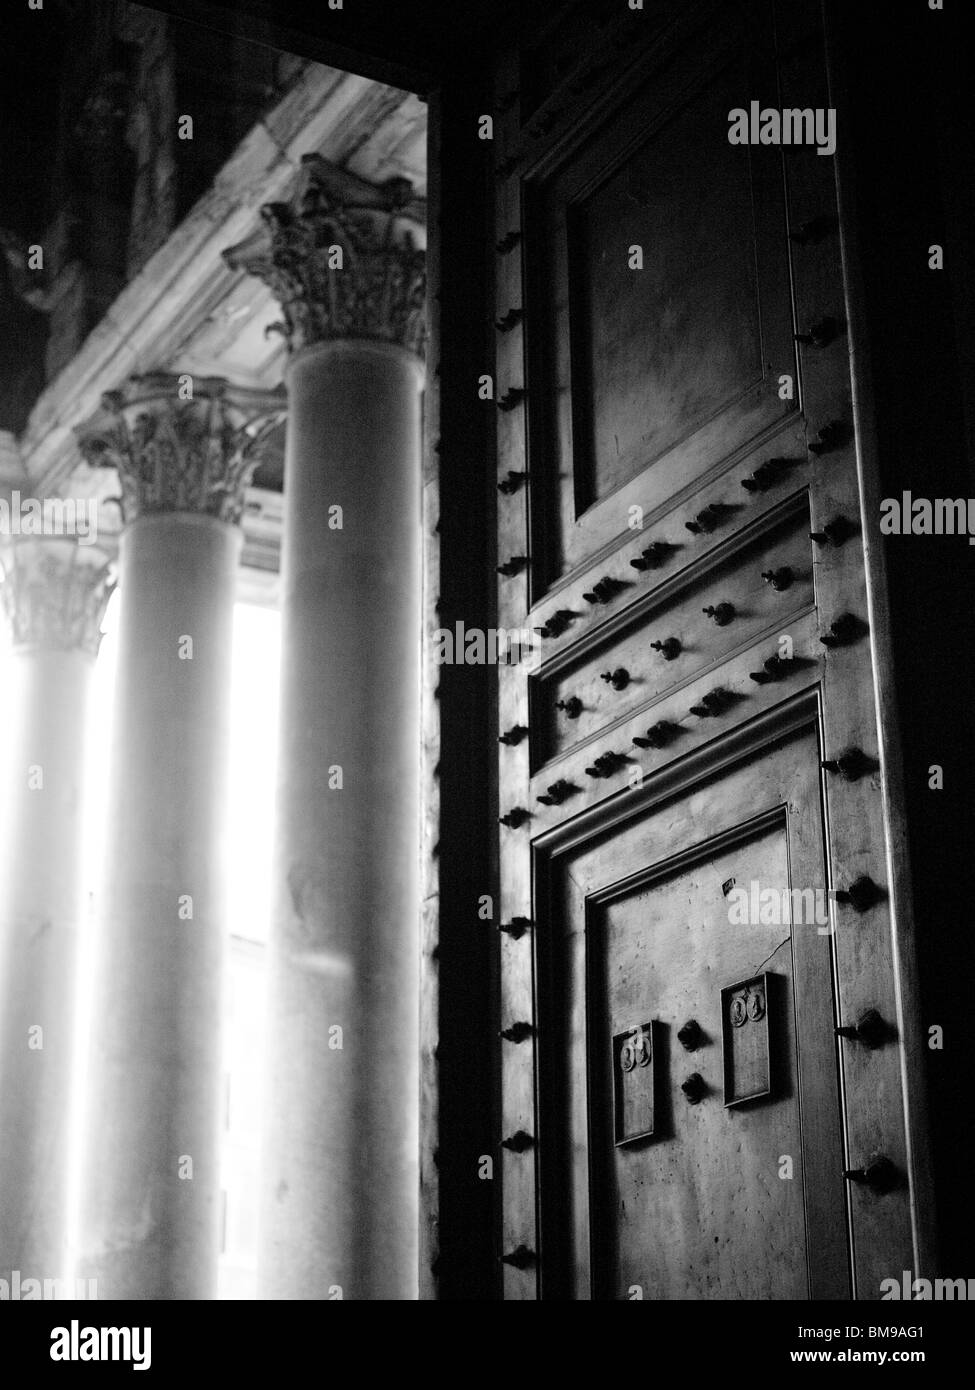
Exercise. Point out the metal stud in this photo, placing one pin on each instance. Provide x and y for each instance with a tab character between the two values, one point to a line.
517	1033
659	735
654	555
766	474
557	623
618	679
879	1174
606	764
852	764
513	566
557	793
520	1258
669	648
690	1035
842	631
862	894
708	519
694	1088
516	928
869	1029
712	704
513	736
822	333
571	708
509	320
507	243
779	579
604	589
515	817
722	615
833	435
544	123
512	482
775	668
835	532
518	1142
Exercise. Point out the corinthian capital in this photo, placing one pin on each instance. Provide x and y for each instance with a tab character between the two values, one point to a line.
181	455
54	593
342	258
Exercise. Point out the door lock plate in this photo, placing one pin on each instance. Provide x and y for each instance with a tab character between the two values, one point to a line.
745	1046
634	1064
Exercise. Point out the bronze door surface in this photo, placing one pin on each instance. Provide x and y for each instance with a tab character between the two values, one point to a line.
679	523
678	931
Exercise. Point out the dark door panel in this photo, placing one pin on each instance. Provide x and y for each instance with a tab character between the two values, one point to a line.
659	304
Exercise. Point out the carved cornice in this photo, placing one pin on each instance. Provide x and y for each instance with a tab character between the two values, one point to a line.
54	593
178	455
342	258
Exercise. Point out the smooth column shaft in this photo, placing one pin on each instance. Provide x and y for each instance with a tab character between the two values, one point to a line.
151	1188
41	910
339	1188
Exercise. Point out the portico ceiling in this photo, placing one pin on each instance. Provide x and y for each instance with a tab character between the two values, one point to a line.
187	312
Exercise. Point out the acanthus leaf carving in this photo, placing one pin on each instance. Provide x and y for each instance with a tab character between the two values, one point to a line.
343	258
176	455
54	593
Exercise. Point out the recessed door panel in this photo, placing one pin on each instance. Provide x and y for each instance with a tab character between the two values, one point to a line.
694	1057
678	337
702	1212
659	312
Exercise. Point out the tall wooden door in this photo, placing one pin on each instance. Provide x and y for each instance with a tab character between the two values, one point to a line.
701	1032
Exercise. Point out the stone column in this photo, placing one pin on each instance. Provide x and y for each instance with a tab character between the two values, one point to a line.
150	1196
339	1214
54	591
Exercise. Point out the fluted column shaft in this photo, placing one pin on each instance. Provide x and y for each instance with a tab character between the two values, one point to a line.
55	593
